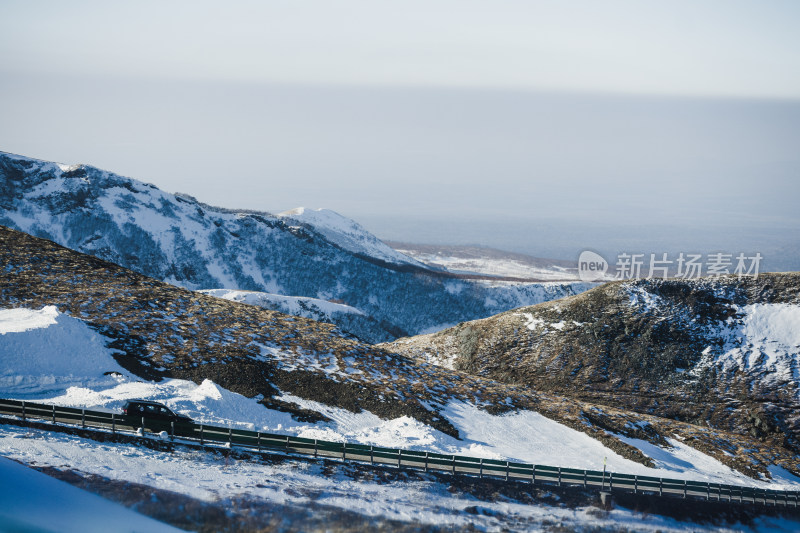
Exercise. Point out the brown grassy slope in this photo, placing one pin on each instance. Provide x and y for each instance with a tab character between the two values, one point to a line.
166	331
609	346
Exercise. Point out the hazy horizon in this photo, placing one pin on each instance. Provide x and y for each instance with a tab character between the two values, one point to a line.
526	126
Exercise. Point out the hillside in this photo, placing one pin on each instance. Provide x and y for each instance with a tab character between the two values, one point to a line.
307	253
310	373
719	353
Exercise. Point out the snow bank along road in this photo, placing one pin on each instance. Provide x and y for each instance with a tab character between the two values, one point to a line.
203	435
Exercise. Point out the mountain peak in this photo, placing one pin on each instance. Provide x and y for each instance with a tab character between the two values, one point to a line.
348	234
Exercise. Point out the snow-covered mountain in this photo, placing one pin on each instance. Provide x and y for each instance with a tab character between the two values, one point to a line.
313	254
348	234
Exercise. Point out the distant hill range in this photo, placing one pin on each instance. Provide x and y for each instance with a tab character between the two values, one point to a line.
304	253
489	262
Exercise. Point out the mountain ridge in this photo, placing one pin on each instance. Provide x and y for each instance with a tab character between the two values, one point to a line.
176	239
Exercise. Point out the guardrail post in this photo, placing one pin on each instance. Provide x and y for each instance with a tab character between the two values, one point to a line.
533	474
635	484
507	470
258	441
315	447
559	476
83	418
685	488
172	430
610	480
426	461
454	465
660	486
708	491
230	436
54	414
584	479
480	469
344	451
143	427
23	411
371	454
399	458
287	443
113	424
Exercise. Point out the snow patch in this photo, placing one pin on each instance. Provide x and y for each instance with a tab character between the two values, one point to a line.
19	320
45	350
293	305
762	339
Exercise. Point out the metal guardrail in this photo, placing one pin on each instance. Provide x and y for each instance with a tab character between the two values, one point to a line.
427	461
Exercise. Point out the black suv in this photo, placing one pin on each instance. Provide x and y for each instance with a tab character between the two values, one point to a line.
156	415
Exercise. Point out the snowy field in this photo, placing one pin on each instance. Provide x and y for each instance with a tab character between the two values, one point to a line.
55	358
213	478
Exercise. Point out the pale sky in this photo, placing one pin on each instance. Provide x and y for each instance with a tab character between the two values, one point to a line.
686	47
540	126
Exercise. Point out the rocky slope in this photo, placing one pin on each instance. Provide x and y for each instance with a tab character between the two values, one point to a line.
159	331
717	352
315	254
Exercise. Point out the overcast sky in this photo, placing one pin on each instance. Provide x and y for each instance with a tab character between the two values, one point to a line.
540	126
